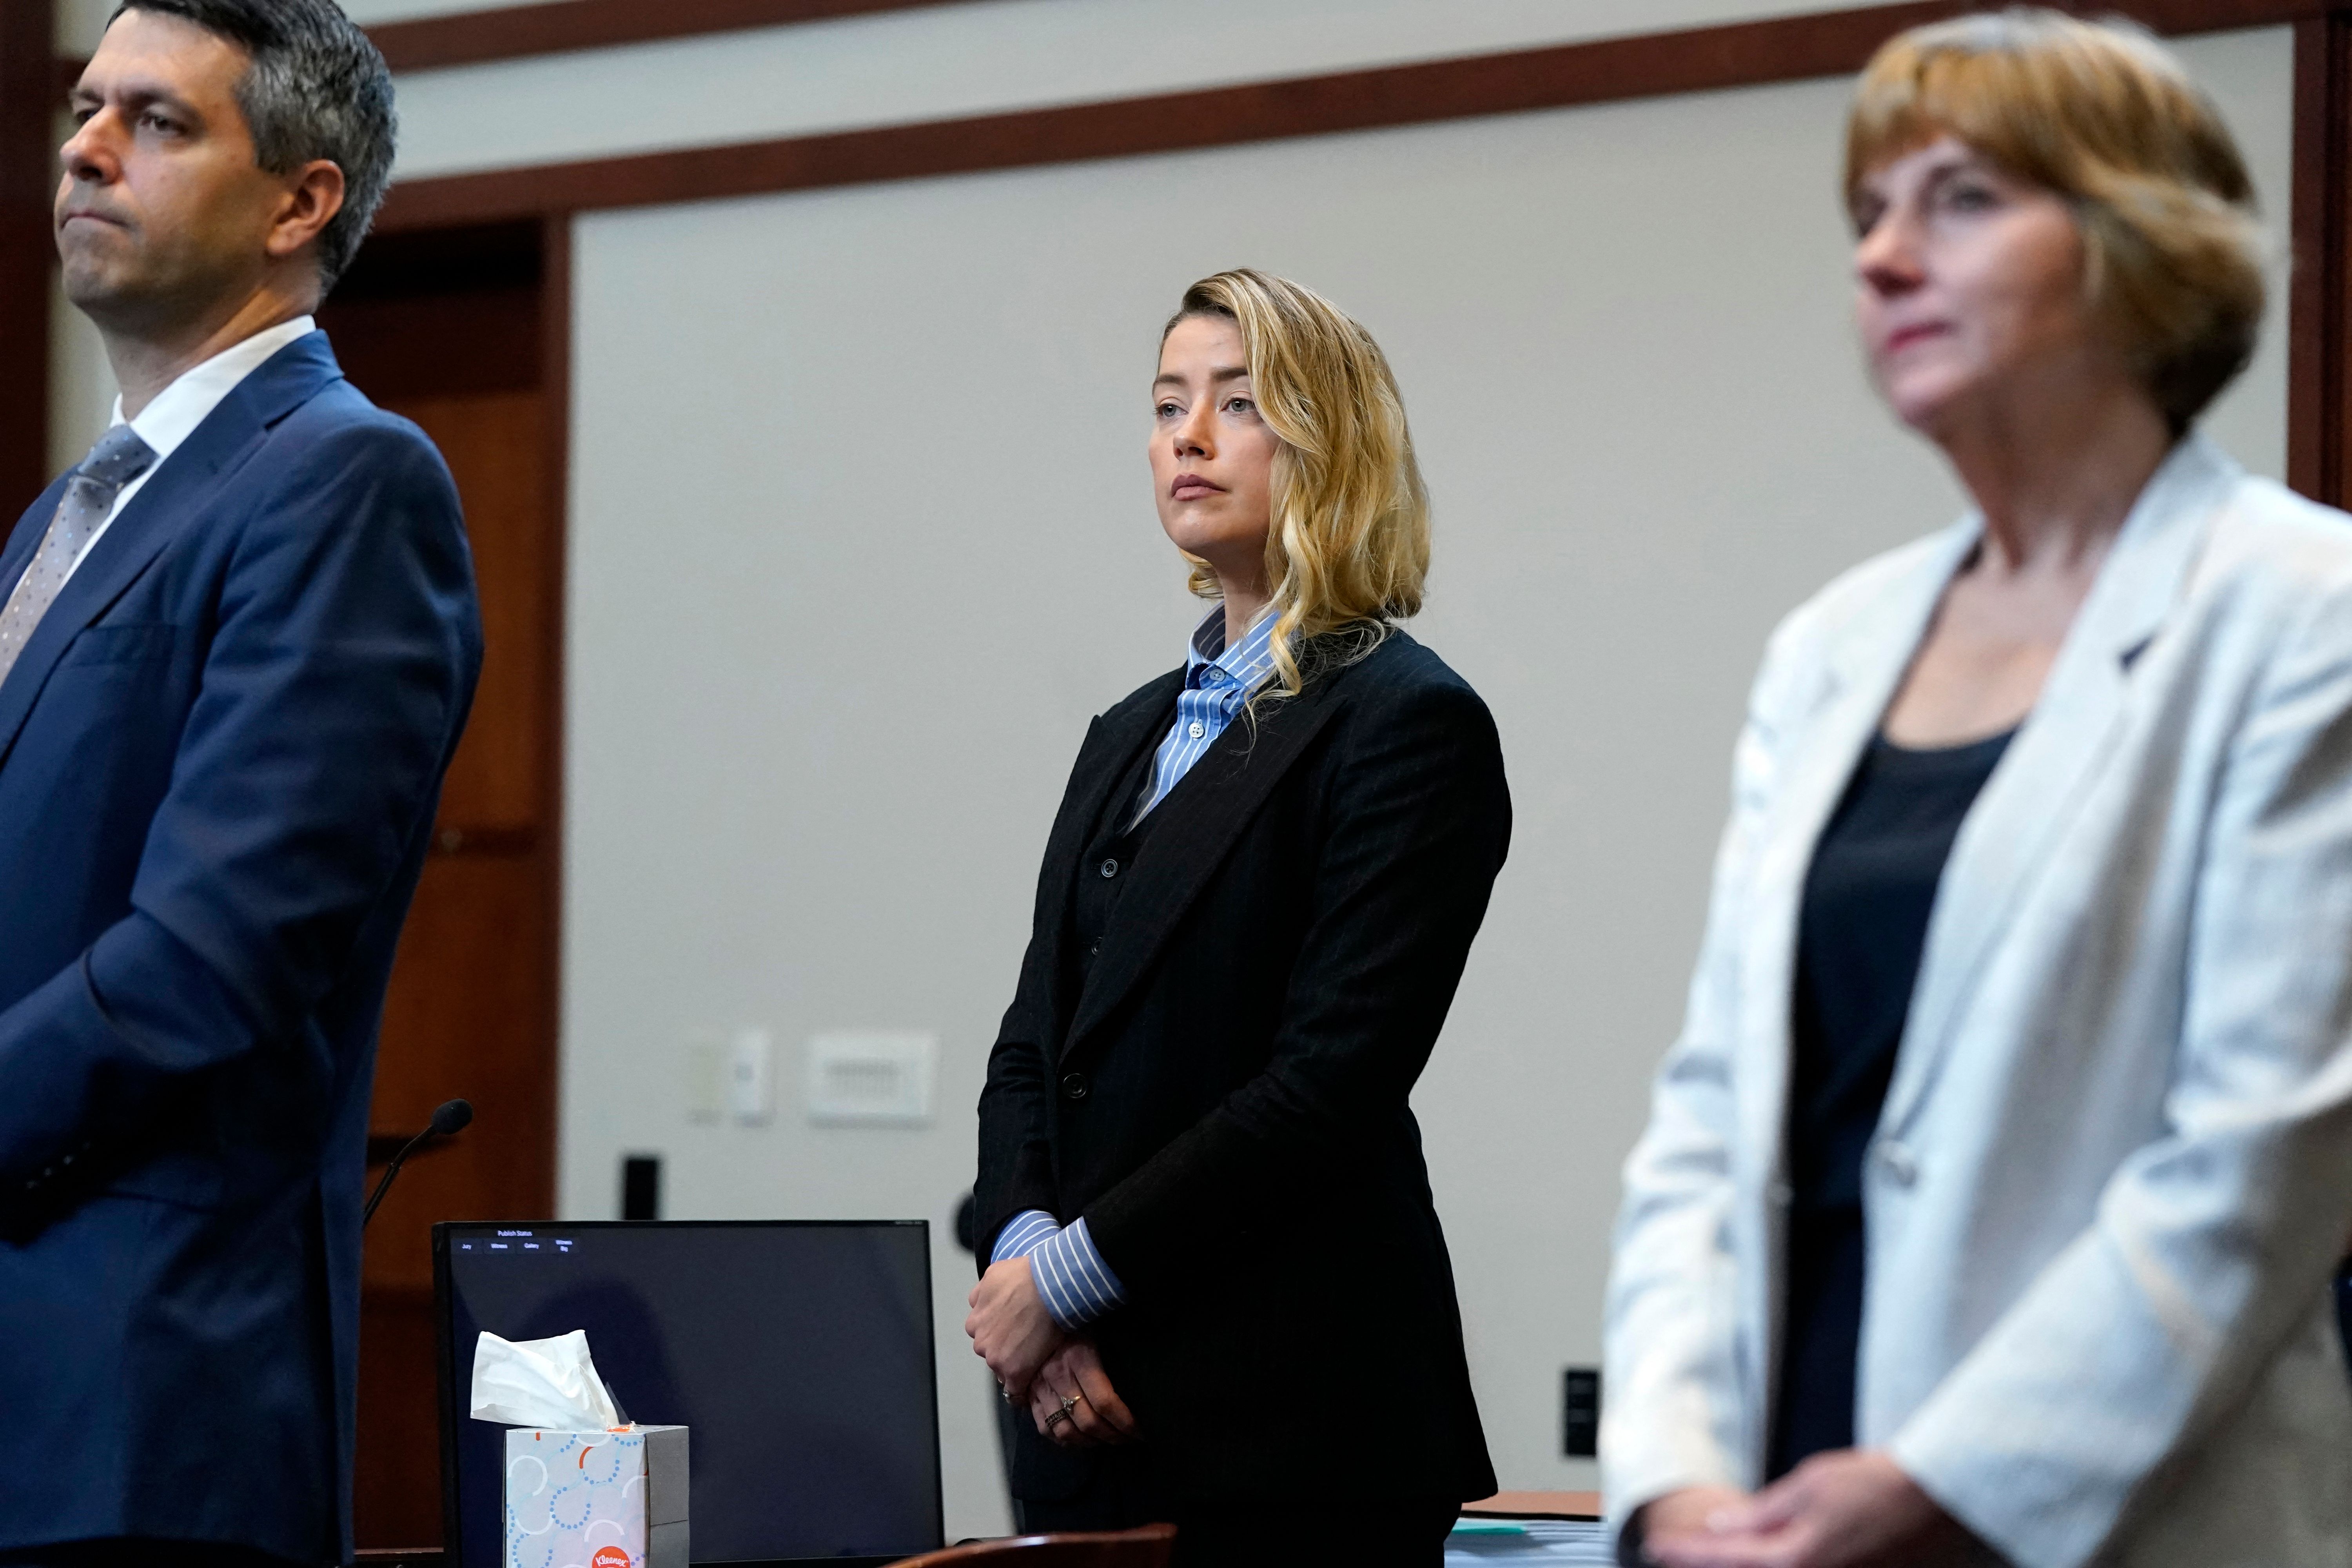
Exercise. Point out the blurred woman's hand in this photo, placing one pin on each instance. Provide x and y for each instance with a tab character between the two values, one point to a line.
1851	1509
1688	1512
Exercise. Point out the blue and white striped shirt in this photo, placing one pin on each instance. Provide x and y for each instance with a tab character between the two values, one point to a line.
1218	682
1075	1284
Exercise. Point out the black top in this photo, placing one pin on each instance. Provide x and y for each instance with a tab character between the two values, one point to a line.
1860	931
1224	1090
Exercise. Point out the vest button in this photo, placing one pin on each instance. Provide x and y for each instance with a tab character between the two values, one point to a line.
1110	868
1074	1087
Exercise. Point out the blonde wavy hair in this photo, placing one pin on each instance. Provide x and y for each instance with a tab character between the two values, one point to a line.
2102	114
1347	545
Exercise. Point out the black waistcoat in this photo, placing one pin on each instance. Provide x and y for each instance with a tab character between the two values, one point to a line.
1115	845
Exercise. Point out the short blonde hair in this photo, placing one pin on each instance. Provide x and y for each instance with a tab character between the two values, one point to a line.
1347	545
2102	114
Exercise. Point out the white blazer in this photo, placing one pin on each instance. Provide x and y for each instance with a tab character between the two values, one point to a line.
2114	1165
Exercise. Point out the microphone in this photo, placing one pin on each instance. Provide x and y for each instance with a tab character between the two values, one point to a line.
451	1118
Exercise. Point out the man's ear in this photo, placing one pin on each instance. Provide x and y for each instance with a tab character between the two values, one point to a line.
314	195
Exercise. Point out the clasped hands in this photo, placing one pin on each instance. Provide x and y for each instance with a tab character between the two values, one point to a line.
1851	1509
1058	1377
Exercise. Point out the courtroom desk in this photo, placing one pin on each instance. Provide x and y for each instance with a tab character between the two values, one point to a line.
1536	1505
401	1557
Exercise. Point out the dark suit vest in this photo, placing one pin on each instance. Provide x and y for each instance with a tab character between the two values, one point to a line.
1114	852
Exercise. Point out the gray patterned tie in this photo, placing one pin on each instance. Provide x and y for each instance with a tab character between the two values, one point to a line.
119	457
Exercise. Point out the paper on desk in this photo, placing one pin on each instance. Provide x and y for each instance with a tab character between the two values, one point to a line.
548	1383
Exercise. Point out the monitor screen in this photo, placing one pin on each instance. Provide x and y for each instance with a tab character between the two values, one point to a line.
797	1352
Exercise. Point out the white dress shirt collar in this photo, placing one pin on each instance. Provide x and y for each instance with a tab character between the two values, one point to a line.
176	411
180	407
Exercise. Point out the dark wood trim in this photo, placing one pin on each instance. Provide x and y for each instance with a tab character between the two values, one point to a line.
555	390
562	27
515	32
2319	334
28	250
1744	54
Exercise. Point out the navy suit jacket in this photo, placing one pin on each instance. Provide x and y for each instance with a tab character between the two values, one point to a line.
220	754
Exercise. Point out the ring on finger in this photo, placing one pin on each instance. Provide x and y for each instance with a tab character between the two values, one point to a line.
1055	1419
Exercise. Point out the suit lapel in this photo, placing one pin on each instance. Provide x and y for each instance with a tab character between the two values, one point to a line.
1864	665
182	487
2039	787
1210	806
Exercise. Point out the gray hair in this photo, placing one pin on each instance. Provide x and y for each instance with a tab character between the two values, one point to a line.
317	89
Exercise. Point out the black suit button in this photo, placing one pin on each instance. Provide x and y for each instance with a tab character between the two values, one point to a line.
1074	1086
1110	868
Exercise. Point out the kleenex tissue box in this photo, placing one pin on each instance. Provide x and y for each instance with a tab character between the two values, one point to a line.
599	1499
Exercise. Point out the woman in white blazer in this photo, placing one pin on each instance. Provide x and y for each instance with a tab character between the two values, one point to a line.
1990	1196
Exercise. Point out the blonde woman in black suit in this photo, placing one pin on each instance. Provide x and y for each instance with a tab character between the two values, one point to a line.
1217	1281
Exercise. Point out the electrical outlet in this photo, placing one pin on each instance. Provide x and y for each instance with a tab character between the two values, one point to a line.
704	1064
750	1077
1579	1412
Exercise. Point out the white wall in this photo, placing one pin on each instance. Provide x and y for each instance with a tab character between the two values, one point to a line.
932	62
962	59
861	537
929	63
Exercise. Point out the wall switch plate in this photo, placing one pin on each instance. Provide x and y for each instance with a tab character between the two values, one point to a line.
1579	1412
872	1077
750	1077
704	1066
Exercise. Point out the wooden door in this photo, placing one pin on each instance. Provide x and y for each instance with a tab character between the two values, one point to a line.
455	330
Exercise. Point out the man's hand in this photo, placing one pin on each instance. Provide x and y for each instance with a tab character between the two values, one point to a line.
1074	1381
1851	1509
1009	1328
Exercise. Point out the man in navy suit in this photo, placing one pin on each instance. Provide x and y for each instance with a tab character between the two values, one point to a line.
237	649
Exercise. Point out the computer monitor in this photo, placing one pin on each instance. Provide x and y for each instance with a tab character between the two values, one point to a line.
798	1351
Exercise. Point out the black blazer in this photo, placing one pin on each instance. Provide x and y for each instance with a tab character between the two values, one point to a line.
1224	1099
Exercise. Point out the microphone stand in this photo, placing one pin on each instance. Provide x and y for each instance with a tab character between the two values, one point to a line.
451	1118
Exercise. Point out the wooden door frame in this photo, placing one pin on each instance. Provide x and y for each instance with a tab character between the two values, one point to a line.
2319	293
556	383
28	100
433	340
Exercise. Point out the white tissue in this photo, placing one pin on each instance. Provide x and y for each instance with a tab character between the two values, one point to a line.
548	1384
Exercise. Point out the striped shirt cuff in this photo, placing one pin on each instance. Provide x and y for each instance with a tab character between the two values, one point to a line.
1075	1284
1024	1234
